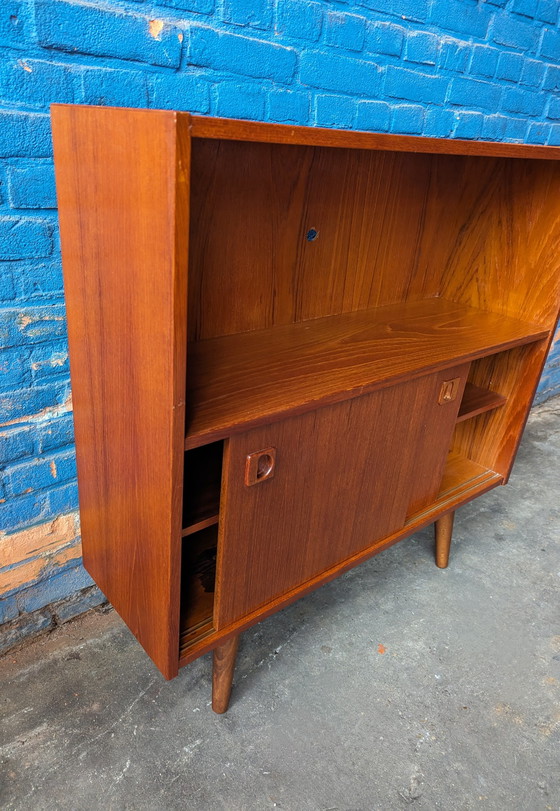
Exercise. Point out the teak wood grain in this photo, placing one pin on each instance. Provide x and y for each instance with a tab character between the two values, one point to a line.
345	475
244	379
463	481
262	132
122	185
477	400
334	281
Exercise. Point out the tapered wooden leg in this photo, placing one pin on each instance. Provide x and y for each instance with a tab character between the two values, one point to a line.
444	531
222	673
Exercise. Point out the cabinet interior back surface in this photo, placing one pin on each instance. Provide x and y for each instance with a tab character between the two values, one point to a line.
290	348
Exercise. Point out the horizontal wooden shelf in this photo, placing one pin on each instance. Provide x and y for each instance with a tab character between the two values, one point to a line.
462	481
235	382
200	525
477	400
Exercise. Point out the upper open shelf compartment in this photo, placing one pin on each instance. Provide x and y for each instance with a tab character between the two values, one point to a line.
236	381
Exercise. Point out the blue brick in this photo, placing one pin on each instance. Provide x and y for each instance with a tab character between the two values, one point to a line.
373	116
57	586
124	88
523	101
8	609
439	123
26	402
7	286
547	11
408	119
255	13
56	433
335	111
554	137
25	134
181	91
413	86
414	10
468	125
340	74
550	46
422	47
500	127
36	82
79	603
484	60
533	73
240	100
24	627
510	67
100	31
514	34
31	324
299	19
22	237
528	8
345	31
538	132
472	93
15	28
31	186
384	38
288	106
39	474
13	371
20	512
454	55
201	6
554	109
63	499
552	79
48	360
16	443
39	278
243	55
461	17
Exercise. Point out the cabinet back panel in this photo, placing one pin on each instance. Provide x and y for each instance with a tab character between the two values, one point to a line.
253	264
498	230
390	227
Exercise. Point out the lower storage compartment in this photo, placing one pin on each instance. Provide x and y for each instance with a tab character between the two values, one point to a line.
198	580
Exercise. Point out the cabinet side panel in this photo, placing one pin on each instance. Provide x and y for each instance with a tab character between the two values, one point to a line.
121	190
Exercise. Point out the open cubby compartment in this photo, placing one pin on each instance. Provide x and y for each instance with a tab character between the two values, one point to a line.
201	490
198	577
503	385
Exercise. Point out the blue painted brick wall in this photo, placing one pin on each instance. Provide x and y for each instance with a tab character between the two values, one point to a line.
459	68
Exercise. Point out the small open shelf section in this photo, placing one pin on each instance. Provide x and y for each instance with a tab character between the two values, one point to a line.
477	400
203	473
240	380
198	584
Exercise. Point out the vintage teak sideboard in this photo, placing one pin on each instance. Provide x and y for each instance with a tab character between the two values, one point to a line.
290	348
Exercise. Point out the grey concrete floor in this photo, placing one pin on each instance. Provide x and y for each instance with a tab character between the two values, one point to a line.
397	684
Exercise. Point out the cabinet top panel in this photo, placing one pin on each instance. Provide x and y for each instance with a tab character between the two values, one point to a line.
238	130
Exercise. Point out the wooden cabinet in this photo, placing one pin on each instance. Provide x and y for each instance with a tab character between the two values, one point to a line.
290	348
